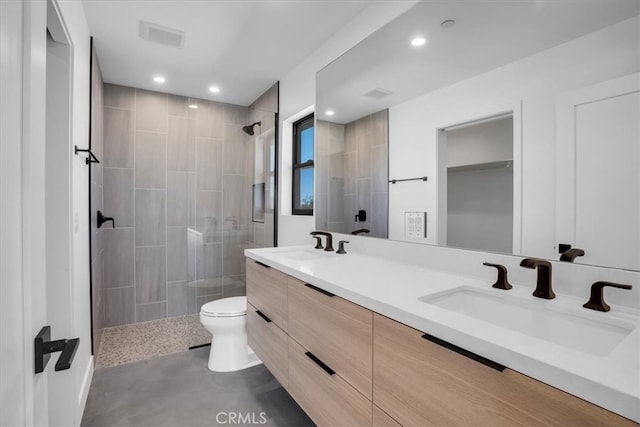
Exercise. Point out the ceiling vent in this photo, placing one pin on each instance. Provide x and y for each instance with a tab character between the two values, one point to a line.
377	93
162	35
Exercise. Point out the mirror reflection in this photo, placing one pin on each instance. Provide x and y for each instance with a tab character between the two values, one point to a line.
513	128
352	175
479	185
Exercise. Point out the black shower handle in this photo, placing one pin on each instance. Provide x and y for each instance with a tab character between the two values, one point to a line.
102	219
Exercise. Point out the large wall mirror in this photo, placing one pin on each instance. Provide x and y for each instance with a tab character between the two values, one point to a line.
509	127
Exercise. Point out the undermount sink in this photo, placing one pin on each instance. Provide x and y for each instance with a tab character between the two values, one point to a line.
579	331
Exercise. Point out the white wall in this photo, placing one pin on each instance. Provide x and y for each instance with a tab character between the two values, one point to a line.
297	91
13	368
76	23
530	86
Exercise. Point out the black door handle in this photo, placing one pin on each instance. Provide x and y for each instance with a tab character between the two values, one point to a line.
43	347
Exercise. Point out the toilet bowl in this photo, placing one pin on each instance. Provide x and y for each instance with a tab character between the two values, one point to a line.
226	319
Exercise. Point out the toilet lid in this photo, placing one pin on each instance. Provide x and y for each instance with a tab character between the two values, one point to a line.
226	307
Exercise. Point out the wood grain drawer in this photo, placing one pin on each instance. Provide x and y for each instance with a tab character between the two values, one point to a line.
270	343
421	383
328	399
335	330
267	291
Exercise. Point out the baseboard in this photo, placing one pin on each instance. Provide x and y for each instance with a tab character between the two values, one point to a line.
84	389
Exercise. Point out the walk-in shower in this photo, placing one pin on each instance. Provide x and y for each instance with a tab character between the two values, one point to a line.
189	192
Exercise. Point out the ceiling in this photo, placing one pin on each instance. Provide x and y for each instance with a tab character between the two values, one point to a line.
486	35
241	46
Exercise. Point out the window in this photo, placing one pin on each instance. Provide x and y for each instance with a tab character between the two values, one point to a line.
303	147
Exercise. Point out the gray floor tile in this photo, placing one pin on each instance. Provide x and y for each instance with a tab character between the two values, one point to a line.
179	390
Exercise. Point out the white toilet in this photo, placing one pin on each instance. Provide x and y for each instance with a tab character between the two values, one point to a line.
226	319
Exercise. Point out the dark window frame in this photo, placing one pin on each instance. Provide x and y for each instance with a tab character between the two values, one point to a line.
298	127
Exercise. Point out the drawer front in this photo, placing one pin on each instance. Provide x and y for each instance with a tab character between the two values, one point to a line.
267	292
328	399
421	383
269	342
334	329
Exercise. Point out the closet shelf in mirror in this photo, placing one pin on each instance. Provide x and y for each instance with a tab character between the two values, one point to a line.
481	166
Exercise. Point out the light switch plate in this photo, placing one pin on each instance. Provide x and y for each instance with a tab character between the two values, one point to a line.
415	224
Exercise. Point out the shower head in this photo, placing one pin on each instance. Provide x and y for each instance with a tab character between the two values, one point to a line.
249	129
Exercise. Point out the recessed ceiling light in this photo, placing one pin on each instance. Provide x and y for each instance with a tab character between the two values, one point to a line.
418	41
448	24
159	79
214	89
193	105
329	112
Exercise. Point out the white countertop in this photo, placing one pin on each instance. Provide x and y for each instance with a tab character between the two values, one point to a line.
393	289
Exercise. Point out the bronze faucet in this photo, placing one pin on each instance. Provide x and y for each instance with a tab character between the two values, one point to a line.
543	285
571	254
596	301
329	245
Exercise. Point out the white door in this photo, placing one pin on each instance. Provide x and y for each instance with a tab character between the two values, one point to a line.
598	205
35	282
23	395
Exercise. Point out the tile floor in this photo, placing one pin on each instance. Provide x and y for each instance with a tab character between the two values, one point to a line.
140	341
178	390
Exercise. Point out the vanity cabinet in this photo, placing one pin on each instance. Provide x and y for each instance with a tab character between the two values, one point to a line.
267	292
317	345
421	383
335	330
346	365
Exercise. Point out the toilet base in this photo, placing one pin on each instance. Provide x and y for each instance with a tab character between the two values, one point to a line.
221	360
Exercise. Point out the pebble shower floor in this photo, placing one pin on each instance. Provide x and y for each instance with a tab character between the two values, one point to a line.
141	341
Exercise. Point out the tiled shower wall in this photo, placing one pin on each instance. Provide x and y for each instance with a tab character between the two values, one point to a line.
355	179
177	182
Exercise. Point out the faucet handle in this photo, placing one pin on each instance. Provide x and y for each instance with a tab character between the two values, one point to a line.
571	254
501	282
341	247
596	300
318	242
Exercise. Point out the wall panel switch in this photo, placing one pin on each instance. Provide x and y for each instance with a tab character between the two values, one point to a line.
415	224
